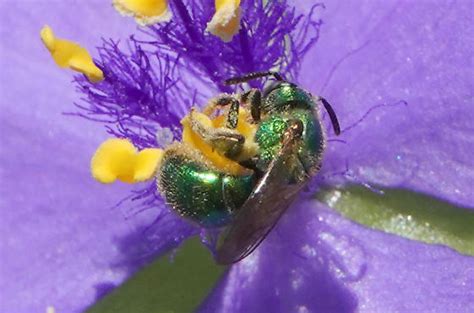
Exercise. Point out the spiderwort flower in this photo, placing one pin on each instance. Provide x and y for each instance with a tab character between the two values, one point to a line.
368	54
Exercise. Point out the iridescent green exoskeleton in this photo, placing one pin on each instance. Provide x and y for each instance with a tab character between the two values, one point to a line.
291	142
199	191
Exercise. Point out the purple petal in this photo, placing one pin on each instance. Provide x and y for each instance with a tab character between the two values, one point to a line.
329	264
370	54
385	53
62	244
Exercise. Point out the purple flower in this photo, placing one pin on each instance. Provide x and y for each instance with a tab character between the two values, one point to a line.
408	64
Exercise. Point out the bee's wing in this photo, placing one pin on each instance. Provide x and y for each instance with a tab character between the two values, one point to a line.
261	211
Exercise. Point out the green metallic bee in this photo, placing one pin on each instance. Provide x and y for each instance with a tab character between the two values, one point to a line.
239	169
291	143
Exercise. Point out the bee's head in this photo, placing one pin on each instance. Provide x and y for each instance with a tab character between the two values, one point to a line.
281	96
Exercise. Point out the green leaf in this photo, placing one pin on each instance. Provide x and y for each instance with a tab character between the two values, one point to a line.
408	214
166	286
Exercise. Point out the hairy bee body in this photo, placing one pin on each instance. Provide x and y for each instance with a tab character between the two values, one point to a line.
210	197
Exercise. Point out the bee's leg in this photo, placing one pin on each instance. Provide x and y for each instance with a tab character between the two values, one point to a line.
233	113
295	165
224	100
225	141
254	98
252	165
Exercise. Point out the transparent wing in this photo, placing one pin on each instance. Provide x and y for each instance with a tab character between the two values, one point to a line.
261	211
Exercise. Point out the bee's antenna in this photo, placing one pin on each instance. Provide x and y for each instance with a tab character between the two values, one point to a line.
252	76
332	116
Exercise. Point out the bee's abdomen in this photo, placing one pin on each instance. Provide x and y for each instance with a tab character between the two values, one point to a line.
204	195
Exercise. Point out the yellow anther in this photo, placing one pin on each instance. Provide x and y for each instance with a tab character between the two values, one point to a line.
145	12
226	21
119	159
70	54
146	163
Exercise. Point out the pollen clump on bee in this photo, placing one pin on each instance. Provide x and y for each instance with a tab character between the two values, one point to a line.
194	140
145	12
226	21
246	129
119	159
70	54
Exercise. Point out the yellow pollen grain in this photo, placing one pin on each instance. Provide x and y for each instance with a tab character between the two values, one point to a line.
68	54
119	159
226	21
145	12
